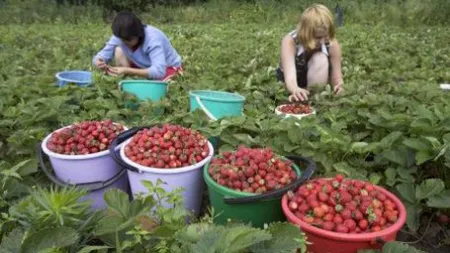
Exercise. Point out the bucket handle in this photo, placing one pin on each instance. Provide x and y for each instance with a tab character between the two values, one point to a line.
94	186
120	139
309	171
208	113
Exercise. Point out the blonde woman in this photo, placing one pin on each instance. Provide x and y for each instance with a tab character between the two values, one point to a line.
311	55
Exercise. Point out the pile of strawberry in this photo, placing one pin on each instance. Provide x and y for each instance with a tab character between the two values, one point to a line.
343	206
167	146
251	170
84	138
296	109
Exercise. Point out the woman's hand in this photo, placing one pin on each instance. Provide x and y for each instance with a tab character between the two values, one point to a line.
299	94
338	89
117	71
100	63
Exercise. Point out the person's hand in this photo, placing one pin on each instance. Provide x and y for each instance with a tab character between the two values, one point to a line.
299	94
338	89
100	63
117	71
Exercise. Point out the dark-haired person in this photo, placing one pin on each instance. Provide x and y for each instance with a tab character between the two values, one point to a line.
138	50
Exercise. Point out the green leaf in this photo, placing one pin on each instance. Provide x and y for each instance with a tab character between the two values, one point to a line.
441	200
407	191
284	239
422	124
388	140
374	178
50	238
405	175
423	156
390	174
413	216
359	147
429	187
108	225
399	247
417	144
12	242
118	200
241	237
89	249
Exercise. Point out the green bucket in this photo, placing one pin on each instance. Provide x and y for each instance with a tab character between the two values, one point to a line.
144	90
257	209
216	105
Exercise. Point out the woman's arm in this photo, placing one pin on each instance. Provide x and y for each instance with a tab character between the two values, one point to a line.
336	68
288	51
106	54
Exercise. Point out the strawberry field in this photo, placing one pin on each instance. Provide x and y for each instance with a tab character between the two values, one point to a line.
390	127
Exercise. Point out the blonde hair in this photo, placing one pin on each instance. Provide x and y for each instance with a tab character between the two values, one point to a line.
314	17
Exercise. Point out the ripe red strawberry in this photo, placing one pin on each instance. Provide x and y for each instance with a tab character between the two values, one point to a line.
340	228
328	225
350	224
363	224
322	196
346	214
338	219
443	218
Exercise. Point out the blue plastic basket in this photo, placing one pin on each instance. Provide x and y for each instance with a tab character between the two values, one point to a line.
78	77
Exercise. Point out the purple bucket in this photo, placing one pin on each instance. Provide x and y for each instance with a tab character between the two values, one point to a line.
96	172
190	178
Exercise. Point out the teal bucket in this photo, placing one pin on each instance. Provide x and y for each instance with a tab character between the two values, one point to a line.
217	104
145	89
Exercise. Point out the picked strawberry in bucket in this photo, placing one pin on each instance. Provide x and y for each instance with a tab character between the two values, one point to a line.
344	215
298	110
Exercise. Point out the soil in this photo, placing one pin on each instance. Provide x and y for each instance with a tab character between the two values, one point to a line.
432	236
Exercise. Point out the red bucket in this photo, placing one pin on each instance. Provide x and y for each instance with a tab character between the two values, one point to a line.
323	241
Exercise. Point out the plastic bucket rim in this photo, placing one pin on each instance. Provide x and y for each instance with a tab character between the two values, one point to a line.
73	157
211	183
239	97
351	237
143	169
59	77
145	81
278	112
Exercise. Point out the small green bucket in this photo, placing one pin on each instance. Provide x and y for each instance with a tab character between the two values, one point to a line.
257	209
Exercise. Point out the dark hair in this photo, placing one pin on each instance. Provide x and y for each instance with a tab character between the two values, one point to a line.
126	25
